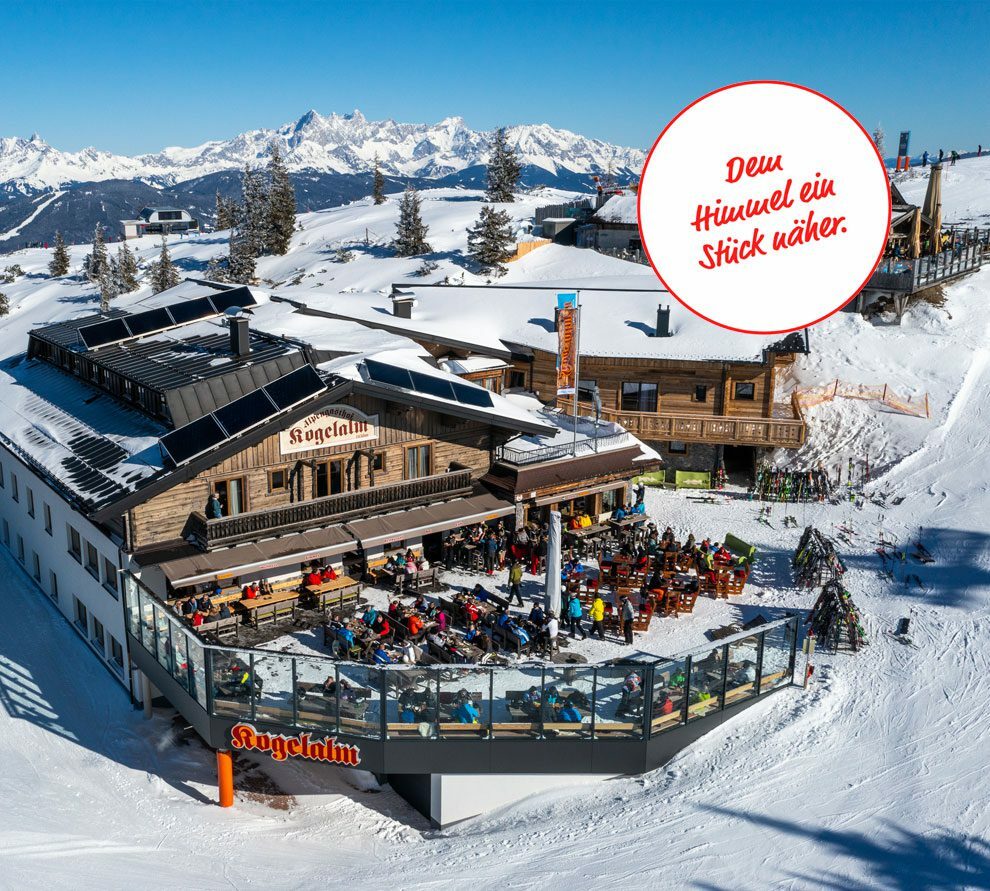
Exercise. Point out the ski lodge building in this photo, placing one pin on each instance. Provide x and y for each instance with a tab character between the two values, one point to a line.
659	373
160	221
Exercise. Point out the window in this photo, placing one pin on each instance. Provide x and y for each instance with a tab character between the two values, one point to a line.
96	636
20	548
329	478
639	396
110	576
116	652
277	480
36	563
14	493
701	393
611	500
92	561
517	379
746	391
53	585
75	544
48	519
585	389
30	500
232	496
82	616
378	462
418	461
676	447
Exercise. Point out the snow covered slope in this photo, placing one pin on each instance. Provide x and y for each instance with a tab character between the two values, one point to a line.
336	143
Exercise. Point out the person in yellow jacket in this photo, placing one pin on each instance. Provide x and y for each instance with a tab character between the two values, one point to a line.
597	616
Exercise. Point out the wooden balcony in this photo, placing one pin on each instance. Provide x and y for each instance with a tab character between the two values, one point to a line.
909	276
785	429
304	515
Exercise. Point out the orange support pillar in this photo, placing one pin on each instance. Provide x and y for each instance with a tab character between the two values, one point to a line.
225	777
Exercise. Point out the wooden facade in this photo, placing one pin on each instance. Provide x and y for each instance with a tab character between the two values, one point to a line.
270	479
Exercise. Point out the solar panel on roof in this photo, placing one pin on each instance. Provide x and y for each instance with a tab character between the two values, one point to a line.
239	415
388	374
101	333
185	443
294	387
476	396
152	320
190	310
241	297
431	385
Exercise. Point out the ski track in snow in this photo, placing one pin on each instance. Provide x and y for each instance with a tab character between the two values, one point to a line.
10	233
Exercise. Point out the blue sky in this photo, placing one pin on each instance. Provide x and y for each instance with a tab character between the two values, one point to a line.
135	77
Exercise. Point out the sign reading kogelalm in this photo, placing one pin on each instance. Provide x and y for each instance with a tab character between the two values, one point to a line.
337	425
280	747
764	207
567	343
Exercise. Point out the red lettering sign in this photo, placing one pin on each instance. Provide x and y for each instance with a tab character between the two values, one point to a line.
245	736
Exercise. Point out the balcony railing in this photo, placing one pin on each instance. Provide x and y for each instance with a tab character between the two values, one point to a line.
345	506
563	450
907	276
785	428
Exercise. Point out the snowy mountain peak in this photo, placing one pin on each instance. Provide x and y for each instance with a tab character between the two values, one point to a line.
337	143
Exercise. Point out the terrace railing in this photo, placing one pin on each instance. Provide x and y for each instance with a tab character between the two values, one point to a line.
564	450
908	276
319	511
217	687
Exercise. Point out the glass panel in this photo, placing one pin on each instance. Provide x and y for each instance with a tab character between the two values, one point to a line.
196	660
411	703
569	695
133	604
178	661
778	657
706	684
147	622
273	688
231	684
669	683
518	696
360	700
162	628
740	672
465	702
619	701
316	694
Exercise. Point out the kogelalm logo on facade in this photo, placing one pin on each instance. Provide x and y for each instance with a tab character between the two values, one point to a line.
244	736
332	426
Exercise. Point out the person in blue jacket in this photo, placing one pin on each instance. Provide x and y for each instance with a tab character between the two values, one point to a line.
465	711
569	714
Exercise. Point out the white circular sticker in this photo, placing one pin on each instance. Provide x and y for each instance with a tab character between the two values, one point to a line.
764	207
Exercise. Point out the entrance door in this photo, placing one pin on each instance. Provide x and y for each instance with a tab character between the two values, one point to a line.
329	478
231	495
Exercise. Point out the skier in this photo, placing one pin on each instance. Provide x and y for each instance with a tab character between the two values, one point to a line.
924	159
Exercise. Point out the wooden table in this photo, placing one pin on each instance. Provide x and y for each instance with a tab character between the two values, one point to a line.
267	606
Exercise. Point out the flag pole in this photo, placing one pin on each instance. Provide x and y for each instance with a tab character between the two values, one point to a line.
577	362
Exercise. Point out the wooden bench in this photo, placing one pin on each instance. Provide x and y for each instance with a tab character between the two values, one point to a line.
728	585
685	601
269	607
424	579
220	627
336	593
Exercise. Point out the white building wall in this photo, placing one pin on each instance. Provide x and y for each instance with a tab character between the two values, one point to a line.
59	576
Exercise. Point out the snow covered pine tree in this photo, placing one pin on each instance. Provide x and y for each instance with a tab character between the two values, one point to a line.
503	170
490	240
126	269
60	257
95	262
410	231
164	275
109	282
378	185
280	217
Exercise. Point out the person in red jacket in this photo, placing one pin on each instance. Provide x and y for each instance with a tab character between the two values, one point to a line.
250	591
314	578
197	619
328	574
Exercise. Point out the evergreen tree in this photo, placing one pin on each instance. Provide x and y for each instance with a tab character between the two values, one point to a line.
127	270
378	185
217	269
164	275
252	219
280	221
240	258
109	282
60	257
4	304
878	138
225	212
410	231
504	170
490	240
97	260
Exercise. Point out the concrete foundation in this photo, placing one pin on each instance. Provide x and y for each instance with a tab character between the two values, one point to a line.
449	798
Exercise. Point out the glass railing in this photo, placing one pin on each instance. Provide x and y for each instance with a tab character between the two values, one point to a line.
626	699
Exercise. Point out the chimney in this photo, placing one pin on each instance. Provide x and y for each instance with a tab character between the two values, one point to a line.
402	303
663	322
240	339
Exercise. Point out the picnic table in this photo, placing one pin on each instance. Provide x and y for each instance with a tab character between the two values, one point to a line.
268	607
335	592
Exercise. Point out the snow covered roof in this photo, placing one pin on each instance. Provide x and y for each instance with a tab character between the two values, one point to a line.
471	364
619	209
619	315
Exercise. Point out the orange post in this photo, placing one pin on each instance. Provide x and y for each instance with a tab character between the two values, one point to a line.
225	777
